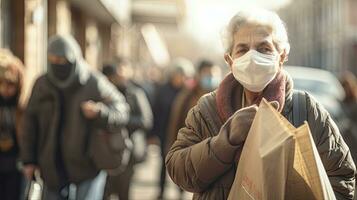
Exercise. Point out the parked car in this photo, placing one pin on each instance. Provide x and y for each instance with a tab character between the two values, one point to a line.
322	85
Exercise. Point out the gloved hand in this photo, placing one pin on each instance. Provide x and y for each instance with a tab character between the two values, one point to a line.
241	121
234	132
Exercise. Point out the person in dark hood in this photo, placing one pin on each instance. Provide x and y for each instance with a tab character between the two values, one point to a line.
140	121
11	75
67	106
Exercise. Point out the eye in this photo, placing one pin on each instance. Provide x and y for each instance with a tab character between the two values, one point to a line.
265	50
241	51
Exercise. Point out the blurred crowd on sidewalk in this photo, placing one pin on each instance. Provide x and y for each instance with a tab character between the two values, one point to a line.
72	108
70	102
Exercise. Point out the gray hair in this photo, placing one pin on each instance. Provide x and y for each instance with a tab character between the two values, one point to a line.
258	17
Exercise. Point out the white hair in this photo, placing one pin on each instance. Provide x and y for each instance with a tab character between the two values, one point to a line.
260	17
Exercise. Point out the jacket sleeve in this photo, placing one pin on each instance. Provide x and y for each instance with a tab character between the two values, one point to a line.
114	111
144	118
30	127
197	158
334	152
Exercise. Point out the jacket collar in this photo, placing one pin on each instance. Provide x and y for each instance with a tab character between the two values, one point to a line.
280	89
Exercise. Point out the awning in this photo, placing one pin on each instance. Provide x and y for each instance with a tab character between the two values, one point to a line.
106	11
156	11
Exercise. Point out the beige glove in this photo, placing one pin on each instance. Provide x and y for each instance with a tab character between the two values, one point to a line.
234	132
241	121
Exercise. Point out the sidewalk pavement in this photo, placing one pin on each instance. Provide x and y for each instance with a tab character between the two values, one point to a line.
145	184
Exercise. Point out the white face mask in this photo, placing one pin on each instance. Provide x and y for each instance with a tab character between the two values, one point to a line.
255	70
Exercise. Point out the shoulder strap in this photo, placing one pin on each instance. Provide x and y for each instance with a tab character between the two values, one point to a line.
299	108
207	108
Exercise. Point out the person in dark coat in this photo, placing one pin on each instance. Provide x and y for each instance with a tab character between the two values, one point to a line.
178	73
11	76
140	122
67	106
207	79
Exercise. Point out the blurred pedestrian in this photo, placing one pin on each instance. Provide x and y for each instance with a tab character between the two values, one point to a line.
67	106
177	74
11	76
203	158
349	106
207	79
151	82
140	121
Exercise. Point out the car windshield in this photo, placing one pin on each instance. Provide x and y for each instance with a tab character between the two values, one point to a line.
314	86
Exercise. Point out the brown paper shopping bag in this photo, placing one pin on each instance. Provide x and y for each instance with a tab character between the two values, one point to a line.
279	161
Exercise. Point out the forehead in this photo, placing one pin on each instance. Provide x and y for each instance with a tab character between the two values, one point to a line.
251	33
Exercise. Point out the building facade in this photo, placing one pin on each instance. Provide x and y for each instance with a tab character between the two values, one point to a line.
321	34
26	25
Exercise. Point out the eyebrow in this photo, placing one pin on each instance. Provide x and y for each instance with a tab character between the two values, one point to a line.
241	45
264	43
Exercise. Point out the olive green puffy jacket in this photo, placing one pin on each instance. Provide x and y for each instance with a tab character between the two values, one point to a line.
201	162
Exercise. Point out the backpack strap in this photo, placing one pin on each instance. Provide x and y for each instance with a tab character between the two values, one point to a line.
208	109
299	108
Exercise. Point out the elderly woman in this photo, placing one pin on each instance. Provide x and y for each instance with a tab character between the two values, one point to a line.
202	159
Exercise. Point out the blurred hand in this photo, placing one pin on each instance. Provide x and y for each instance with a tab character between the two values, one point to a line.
241	121
29	170
90	109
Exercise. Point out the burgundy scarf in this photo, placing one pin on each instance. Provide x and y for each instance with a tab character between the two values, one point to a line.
275	91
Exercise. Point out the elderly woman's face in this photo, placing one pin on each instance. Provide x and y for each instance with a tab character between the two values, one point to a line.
254	37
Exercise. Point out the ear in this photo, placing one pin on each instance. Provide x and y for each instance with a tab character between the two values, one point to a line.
228	60
283	58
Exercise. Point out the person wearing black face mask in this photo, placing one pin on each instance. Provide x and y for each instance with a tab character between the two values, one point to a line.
62	71
68	105
140	121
